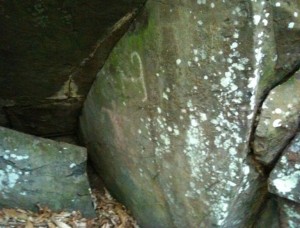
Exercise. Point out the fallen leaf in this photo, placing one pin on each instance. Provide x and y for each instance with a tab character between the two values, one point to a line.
61	224
13	213
29	225
51	225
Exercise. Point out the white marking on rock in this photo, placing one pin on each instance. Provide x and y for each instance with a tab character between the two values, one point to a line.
165	96
234	45
287	183
246	170
265	22
256	19
278	111
277	123
200	22
200	2
203	116
291	25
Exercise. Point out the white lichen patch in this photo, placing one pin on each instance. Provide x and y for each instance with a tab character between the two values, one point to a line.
277	123
284	179
19	157
163	143
286	184
8	177
165	96
200	2
256	19
293	215
203	117
246	170
291	25
159	110
277	111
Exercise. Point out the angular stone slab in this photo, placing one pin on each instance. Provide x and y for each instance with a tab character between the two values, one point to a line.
40	171
284	179
279	120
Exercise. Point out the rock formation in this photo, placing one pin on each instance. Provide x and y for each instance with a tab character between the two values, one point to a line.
193	121
194	108
36	171
50	52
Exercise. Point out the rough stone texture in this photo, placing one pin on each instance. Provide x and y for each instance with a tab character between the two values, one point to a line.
50	52
279	212
278	121
278	46
54	119
284	179
289	213
41	171
270	216
171	113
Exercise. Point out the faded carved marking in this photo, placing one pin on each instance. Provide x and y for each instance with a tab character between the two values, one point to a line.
141	76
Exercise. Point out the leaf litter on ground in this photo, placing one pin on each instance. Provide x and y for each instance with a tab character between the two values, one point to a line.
110	214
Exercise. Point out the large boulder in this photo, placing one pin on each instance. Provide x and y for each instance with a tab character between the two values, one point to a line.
40	171
169	119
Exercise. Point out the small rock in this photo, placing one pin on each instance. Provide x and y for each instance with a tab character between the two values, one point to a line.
40	171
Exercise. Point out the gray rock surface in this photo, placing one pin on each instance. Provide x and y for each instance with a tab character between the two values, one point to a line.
284	179
40	171
289	213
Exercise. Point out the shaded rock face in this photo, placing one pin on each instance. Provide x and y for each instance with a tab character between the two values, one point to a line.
172	114
41	171
279	120
50	52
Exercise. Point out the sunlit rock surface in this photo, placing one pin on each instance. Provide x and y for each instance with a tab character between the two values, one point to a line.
41	171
